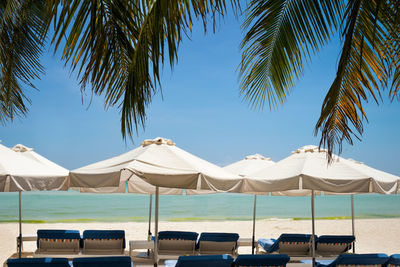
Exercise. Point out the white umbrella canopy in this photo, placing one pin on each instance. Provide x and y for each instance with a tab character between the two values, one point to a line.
308	168
158	162
22	169
249	164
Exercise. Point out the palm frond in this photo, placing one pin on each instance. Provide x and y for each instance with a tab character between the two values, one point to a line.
23	28
391	12
121	46
281	36
362	73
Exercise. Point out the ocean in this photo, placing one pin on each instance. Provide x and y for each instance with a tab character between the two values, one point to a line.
72	206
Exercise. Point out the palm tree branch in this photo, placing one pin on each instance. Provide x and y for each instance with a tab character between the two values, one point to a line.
361	72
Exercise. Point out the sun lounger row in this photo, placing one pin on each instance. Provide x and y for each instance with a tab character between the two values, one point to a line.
189	243
120	261
375	260
227	261
300	244
71	242
359	260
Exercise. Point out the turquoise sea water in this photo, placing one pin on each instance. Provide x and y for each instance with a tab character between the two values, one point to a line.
73	206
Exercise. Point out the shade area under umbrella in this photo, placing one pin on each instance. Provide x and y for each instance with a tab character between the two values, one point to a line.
22	169
308	169
248	165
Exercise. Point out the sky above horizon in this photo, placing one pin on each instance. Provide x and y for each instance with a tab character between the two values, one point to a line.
200	109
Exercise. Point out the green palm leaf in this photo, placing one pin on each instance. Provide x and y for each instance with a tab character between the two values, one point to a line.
23	27
121	46
364	69
281	35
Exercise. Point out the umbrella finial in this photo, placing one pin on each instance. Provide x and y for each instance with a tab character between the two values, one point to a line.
158	141
309	148
21	148
256	157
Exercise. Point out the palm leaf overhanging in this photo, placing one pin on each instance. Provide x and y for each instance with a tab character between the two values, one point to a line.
283	34
23	27
121	46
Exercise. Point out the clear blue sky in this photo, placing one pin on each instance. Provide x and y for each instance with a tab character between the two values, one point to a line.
201	111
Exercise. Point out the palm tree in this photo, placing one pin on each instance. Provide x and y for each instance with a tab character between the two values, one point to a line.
116	46
119	47
23	28
282	35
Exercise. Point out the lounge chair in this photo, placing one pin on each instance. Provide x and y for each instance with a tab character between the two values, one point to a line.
328	245
207	260
38	262
176	242
120	261
360	260
104	242
291	244
217	243
58	242
262	260
394	260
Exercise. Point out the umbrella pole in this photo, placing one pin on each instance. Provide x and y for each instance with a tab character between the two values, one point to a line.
352	221
149	231
20	227
254	224
313	229
155	254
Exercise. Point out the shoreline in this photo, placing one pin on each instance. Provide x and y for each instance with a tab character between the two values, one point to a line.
193	219
372	235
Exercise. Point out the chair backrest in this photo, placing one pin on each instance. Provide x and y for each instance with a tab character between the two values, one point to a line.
360	260
120	261
208	260
262	260
394	260
38	262
217	243
293	244
334	244
58	241
104	241
176	242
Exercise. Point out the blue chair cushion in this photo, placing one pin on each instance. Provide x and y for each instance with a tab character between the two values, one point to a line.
57	234
180	235
272	245
121	261
219	237
208	260
38	262
262	260
336	239
104	234
358	259
394	259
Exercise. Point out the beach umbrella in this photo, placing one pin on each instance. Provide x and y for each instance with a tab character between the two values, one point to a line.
308	169
246	166
22	169
161	163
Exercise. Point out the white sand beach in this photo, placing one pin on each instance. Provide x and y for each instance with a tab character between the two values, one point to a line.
373	235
